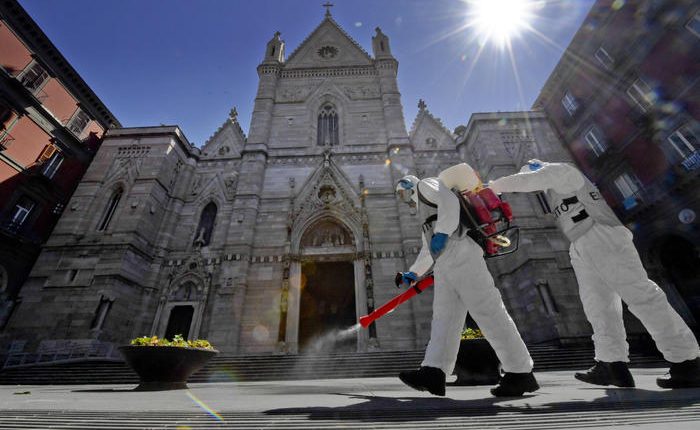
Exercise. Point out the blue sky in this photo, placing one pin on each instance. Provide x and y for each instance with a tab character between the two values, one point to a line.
188	62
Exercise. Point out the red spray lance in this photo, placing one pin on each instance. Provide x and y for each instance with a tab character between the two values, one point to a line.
415	288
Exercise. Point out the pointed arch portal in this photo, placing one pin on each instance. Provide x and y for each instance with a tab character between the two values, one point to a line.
326	293
327	304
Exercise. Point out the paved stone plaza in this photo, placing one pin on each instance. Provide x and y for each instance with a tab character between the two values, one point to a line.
376	403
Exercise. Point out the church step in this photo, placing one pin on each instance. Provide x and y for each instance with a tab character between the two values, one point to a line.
289	367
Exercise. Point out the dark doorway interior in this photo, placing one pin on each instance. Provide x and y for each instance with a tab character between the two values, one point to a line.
680	259
180	321
327	306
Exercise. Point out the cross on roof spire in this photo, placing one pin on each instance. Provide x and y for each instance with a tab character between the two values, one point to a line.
328	5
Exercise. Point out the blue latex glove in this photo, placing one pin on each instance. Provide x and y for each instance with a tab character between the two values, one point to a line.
534	165
405	278
437	243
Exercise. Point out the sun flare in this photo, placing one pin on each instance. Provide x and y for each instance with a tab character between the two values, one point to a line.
498	21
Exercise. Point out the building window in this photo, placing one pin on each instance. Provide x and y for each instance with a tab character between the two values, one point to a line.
34	77
101	313
21	211
206	225
544	204
628	186
569	102
604	58
685	141
71	275
110	209
545	293
694	24
327	132
78	123
594	139
51	166
641	94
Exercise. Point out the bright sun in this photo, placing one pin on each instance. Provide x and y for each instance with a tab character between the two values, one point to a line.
499	20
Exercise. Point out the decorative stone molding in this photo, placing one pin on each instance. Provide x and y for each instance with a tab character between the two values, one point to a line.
293	94
359	93
133	151
331	71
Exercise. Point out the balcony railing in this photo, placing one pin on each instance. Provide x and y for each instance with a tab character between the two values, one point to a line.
5	140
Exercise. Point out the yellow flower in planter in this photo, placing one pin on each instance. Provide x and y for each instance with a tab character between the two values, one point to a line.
178	341
470	333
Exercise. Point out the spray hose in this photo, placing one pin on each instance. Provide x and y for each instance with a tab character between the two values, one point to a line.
415	288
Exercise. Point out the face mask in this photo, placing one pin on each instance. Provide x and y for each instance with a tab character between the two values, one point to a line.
405	191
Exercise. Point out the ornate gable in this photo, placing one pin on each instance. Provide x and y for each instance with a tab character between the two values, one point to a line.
227	141
219	184
326	191
328	46
428	132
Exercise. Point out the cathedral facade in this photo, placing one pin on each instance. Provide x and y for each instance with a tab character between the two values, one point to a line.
262	243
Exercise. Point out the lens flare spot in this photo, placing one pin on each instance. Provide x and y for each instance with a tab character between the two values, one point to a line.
204	406
261	333
617	4
387	162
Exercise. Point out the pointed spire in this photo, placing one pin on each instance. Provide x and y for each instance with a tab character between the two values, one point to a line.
421	104
380	44
274	52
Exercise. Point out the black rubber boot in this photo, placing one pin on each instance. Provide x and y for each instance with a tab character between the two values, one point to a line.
604	373
515	384
429	379
685	374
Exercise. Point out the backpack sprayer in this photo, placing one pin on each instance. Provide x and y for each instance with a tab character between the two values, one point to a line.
482	212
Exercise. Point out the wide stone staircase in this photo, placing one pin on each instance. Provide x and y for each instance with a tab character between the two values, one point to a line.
289	367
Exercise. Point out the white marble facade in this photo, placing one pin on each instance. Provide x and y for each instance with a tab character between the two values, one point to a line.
312	184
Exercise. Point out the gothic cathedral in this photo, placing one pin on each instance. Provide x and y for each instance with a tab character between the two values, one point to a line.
262	243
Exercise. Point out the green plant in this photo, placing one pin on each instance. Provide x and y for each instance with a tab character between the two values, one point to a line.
470	333
177	341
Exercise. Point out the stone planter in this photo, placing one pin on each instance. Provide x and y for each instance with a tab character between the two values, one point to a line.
165	367
477	363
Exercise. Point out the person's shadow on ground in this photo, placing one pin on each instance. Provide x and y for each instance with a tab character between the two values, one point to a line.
403	409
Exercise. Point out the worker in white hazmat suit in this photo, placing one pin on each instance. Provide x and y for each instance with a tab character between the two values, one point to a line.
462	284
608	270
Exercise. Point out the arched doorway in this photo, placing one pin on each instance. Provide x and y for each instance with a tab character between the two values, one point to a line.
180	321
181	308
681	263
326	289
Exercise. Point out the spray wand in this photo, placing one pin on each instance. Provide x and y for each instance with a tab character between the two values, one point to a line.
416	287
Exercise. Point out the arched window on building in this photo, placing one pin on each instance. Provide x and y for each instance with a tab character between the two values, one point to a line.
327	131
110	209
206	225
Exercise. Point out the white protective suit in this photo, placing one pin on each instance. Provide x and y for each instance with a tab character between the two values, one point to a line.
462	284
606	263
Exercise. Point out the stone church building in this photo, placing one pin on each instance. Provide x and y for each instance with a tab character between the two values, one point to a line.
262	243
